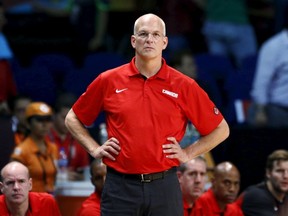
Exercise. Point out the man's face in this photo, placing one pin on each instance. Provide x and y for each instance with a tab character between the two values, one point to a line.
149	39
226	186
188	66
19	111
16	185
59	120
278	176
193	179
40	126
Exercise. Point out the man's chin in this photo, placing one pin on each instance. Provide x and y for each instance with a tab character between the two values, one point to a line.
17	198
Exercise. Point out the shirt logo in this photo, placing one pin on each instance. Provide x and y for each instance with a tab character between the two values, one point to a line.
172	94
120	90
216	111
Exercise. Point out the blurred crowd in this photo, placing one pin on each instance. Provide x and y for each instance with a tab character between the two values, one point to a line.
236	51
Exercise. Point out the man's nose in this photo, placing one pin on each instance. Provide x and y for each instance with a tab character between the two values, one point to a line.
16	185
233	187
198	178
150	37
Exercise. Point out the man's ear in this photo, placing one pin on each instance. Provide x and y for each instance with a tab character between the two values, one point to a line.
30	184
165	43
268	174
1	187
133	41
179	175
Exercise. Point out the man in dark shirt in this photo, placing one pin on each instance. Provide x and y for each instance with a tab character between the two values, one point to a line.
269	197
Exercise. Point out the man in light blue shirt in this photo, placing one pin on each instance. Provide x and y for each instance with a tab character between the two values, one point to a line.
270	88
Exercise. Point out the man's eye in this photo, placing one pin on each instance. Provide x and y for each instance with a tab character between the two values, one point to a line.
142	34
156	35
9	183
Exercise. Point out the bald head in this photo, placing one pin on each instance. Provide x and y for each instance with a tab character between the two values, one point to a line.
225	183
15	180
224	168
12	168
149	18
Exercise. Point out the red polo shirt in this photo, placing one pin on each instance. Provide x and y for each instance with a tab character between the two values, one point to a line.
77	156
206	205
91	206
186	208
40	204
142	113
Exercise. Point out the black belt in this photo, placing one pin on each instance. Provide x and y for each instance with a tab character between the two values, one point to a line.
146	178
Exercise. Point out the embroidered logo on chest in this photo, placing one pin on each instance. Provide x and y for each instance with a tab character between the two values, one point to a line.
120	90
172	94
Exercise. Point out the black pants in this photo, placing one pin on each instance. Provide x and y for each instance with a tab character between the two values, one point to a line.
123	196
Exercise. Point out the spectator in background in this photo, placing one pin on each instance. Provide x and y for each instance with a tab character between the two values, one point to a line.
271	196
91	22
16	184
270	86
88	17
227	29
78	158
183	60
7	83
91	206
18	105
184	20
37	153
219	199
192	178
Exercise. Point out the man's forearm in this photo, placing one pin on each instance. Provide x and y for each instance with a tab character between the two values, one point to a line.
80	133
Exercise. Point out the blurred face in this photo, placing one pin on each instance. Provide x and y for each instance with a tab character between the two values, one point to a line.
226	186
16	184
59	120
149	37
98	177
188	66
278	177
19	111
192	180
40	126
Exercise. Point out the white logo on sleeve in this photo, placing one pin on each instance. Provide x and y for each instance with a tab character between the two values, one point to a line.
120	90
172	94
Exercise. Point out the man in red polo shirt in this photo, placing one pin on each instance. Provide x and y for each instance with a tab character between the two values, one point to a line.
192	177
15	184
219	200
147	106
91	206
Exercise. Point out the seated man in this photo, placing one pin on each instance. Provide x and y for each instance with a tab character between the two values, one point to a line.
78	158
218	200
15	184
271	196
91	206
192	178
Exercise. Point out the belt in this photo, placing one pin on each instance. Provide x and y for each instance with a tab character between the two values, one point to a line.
145	178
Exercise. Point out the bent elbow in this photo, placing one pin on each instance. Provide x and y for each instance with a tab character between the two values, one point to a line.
68	118
226	129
